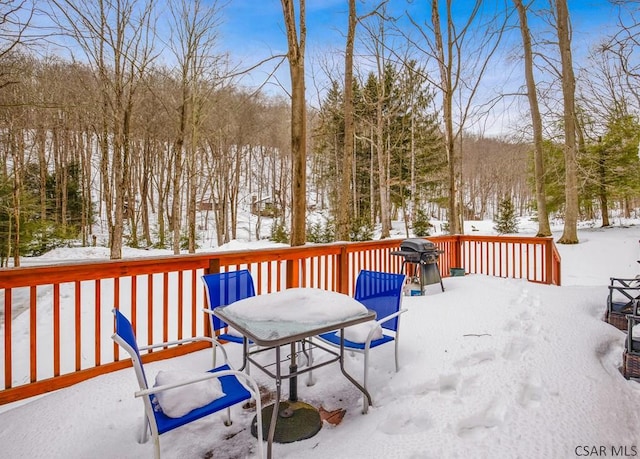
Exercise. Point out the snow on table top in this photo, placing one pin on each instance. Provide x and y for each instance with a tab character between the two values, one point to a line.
302	305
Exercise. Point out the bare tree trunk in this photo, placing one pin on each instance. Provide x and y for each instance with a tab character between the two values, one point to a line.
372	158
298	120
570	232
18	161
41	139
380	149
191	201
463	57
382	155
344	196
544	228
602	191
145	192
87	208
194	24
118	45
176	201
445	66
163	181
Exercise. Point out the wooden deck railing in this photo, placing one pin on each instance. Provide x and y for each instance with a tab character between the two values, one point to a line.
56	323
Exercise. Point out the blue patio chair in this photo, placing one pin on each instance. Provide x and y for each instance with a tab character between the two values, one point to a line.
155	420
224	289
381	292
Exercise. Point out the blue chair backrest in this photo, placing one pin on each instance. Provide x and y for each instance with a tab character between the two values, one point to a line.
381	292
127	339
225	288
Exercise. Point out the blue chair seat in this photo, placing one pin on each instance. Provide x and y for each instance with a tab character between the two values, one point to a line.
234	392
231	338
334	338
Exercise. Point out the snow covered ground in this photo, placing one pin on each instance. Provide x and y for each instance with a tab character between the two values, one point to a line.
490	368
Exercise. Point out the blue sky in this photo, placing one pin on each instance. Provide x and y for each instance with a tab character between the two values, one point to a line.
250	23
254	29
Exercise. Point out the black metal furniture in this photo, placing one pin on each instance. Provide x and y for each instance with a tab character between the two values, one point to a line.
631	355
624	295
424	255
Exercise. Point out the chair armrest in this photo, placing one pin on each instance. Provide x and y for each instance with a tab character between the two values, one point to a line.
380	322
174	343
623	288
214	342
204	377
630	293
390	316
624	282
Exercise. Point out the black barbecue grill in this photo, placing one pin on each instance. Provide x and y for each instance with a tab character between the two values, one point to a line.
424	254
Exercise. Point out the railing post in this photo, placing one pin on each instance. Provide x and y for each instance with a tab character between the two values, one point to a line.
457	253
214	266
292	276
342	276
548	261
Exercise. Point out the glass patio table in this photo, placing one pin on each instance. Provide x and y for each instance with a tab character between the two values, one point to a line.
290	317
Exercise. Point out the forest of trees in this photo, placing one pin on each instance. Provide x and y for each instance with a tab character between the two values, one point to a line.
113	139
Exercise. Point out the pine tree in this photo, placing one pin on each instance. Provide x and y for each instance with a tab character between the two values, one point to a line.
506	219
421	224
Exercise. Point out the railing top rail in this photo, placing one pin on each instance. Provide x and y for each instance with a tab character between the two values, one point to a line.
506	238
106	269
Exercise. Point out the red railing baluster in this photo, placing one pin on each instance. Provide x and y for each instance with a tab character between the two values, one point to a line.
8	322
180	304
33	320
56	329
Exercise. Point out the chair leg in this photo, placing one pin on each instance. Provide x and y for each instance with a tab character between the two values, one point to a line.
144	432
310	380
365	403
156	447
227	421
366	367
396	356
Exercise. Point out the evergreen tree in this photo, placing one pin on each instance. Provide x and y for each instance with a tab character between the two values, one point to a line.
612	165
421	224
506	221
328	138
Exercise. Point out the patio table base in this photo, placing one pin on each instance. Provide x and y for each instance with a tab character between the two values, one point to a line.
296	421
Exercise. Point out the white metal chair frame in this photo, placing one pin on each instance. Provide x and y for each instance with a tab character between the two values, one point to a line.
149	420
232	277
364	348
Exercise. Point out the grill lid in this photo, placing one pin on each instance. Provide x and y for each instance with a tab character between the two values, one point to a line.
417	245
